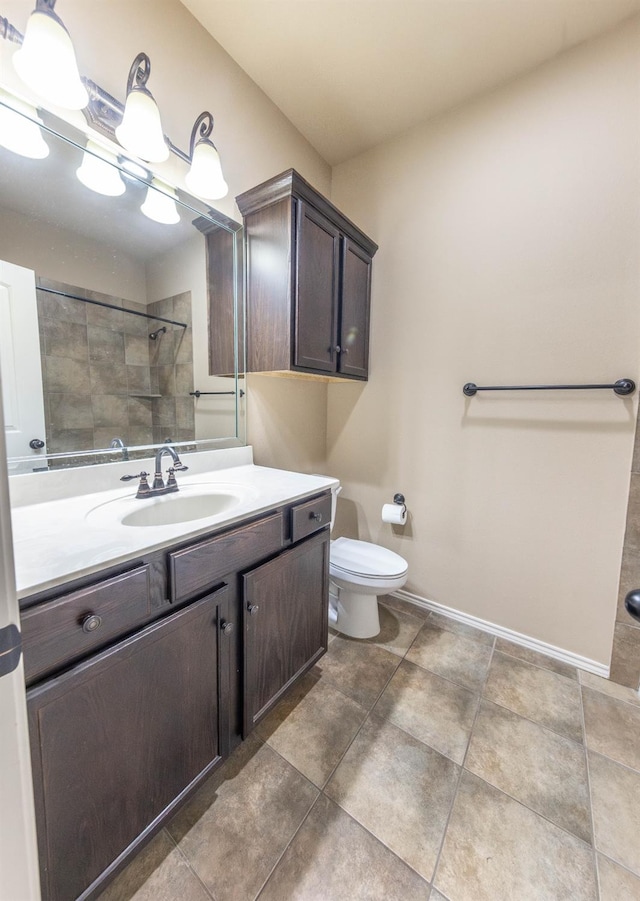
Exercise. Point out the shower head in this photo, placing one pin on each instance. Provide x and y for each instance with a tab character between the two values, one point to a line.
154	335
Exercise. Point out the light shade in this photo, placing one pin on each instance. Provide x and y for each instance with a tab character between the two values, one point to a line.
21	134
160	205
140	131
46	62
205	178
97	173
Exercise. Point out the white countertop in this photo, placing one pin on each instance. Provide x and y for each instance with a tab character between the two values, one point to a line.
67	536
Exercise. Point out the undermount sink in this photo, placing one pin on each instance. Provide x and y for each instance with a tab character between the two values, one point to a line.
186	505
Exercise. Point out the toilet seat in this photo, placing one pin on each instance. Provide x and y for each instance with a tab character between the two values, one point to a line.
365	560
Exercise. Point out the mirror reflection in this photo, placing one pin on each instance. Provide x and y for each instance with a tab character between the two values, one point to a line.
119	324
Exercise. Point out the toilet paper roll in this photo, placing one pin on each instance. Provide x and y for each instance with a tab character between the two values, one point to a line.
394	513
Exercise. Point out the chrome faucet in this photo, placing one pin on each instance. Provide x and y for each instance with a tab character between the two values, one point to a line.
118	442
159	486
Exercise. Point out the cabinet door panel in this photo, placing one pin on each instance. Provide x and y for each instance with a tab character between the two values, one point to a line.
317	266
354	322
115	740
288	631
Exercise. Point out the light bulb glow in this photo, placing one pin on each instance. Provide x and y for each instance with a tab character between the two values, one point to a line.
46	62
21	133
160	205
205	178
97	173
140	131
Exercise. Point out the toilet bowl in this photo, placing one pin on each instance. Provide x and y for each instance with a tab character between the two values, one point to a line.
359	572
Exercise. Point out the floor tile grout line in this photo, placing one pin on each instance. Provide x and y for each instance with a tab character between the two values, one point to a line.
289	843
322	792
189	864
588	845
535	722
596	867
378	839
546	669
625	766
461	773
607	694
618	863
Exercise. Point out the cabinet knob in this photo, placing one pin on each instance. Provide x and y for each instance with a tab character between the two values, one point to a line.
253	609
316	516
91	622
36	444
227	628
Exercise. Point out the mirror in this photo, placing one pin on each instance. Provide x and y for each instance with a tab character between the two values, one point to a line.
118	332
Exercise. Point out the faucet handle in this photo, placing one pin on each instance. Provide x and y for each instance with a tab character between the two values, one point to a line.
143	487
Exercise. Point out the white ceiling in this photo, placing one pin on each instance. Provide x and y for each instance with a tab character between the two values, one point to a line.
350	74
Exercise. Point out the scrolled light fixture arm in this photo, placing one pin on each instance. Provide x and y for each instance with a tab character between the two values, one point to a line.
139	73
204	125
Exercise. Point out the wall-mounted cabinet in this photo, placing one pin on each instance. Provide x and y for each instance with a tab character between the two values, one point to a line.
308	282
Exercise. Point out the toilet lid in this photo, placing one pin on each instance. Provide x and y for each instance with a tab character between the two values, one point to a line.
364	558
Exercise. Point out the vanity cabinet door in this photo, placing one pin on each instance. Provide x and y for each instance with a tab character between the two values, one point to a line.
118	740
285	622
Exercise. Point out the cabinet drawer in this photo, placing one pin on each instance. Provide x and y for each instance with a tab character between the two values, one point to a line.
195	569
309	517
59	631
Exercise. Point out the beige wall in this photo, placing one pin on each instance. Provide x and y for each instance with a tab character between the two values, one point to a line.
509	238
191	73
70	257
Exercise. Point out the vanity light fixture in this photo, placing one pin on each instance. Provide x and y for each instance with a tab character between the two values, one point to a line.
46	61
99	171
48	65
205	178
20	129
159	203
140	131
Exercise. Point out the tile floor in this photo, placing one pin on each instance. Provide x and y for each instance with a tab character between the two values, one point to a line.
432	762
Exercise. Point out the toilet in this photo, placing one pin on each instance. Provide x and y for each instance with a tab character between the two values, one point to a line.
359	572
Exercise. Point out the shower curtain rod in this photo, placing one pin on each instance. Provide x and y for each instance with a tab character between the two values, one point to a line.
623	387
110	306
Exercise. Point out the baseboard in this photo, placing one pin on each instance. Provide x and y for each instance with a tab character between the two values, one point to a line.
585	663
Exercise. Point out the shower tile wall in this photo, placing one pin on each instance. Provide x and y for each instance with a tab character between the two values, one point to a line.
171	368
103	376
625	660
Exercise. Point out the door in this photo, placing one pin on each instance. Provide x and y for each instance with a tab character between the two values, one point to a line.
286	620
18	849
21	366
317	269
354	317
117	739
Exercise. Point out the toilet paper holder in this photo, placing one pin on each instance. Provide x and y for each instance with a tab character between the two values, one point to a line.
399	499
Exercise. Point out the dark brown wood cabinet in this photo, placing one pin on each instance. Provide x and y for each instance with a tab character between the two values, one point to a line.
118	741
308	282
286	622
195	644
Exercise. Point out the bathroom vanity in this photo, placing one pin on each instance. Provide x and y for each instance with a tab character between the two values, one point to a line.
146	669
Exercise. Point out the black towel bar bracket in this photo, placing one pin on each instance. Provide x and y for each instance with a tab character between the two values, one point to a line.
623	387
